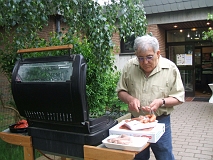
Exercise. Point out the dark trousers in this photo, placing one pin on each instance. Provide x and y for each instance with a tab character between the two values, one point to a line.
162	149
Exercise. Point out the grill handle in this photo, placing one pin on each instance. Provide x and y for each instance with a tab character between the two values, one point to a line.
51	48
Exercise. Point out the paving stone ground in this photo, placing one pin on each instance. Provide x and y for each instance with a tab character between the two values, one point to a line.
192	131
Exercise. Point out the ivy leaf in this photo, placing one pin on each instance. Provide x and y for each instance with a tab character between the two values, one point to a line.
76	2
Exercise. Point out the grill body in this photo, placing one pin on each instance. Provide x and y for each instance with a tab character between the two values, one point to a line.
51	93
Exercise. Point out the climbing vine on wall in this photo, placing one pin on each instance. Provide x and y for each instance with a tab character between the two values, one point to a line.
208	34
90	29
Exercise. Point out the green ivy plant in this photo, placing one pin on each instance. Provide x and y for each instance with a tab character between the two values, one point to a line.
90	29
208	34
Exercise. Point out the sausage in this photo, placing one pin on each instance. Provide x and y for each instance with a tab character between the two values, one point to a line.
148	116
144	119
122	139
153	118
138	118
125	142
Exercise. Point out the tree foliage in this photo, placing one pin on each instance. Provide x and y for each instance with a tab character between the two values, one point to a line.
90	29
208	34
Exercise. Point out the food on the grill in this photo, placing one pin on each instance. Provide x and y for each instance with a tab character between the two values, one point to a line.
122	139
21	124
143	119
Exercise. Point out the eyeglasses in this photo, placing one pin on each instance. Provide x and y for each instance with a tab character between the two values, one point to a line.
148	58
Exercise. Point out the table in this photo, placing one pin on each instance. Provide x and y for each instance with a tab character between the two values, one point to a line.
21	140
90	152
102	153
211	87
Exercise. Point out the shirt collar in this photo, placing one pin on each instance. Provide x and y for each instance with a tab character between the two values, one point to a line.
162	63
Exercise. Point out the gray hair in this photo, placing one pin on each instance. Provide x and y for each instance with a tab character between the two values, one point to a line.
144	42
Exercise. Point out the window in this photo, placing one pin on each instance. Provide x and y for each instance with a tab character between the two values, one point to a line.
186	35
127	46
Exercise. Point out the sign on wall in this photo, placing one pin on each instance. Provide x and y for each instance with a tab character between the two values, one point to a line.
184	59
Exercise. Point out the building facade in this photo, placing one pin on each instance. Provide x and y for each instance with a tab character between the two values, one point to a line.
178	25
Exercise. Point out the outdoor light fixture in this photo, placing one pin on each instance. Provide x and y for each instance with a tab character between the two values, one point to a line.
188	35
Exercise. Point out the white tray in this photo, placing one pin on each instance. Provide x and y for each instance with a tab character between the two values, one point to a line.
136	125
137	143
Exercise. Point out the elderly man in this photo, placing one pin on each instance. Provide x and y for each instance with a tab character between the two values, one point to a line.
150	81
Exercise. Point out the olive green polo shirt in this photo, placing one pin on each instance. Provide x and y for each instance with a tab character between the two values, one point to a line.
164	81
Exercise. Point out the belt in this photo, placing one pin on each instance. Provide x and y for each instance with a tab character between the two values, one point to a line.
158	117
162	116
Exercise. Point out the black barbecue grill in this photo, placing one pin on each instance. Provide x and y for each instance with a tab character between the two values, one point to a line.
51	93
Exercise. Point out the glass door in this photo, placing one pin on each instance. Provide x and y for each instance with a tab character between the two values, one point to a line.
182	56
198	68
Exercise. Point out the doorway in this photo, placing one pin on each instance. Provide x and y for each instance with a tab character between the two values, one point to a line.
182	55
188	58
185	48
199	51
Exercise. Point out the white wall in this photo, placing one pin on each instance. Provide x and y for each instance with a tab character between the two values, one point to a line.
120	60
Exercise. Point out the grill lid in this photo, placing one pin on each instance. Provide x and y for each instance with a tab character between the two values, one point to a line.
51	91
51	88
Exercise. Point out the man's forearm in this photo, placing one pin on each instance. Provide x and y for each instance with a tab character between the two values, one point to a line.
124	96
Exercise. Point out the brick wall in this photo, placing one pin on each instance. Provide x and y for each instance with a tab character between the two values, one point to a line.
116	41
45	33
159	33
51	27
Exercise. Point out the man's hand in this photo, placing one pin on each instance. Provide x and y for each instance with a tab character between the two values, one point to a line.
134	105
154	105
